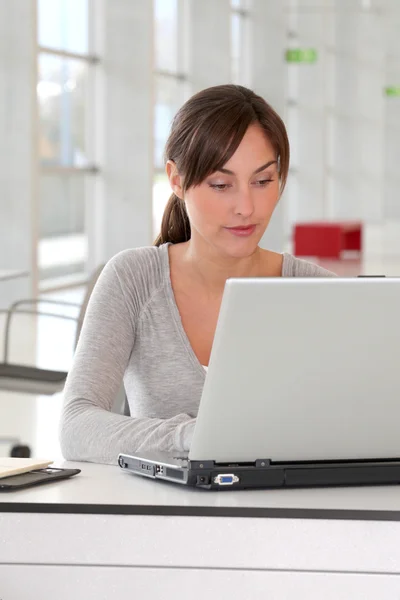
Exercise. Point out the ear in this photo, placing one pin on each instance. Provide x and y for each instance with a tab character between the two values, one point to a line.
175	180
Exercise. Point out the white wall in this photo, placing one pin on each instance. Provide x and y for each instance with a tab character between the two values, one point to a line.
209	43
391	139
269	79
17	127
127	165
358	119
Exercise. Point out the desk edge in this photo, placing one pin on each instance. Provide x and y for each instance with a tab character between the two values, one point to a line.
201	511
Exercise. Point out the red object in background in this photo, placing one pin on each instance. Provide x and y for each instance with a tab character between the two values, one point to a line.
327	239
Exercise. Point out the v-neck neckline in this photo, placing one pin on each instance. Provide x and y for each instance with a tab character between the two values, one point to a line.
169	293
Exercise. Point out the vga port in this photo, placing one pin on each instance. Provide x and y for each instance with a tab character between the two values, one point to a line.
226	479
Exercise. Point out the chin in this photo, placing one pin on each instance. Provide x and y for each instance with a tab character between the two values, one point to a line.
243	249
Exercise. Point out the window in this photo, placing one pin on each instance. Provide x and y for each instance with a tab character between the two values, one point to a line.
62	107
171	89
169	96
63	25
166	35
65	72
240	25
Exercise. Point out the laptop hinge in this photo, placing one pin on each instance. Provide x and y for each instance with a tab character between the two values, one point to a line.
261	463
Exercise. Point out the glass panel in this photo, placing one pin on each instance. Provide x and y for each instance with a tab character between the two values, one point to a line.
62	239
170	95
166	35
61	90
161	193
236	43
63	25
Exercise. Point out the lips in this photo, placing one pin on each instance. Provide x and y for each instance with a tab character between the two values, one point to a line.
242	231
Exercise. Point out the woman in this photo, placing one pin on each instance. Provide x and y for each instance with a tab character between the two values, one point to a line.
152	316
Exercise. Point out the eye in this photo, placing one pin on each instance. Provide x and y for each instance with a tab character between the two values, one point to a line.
263	182
220	187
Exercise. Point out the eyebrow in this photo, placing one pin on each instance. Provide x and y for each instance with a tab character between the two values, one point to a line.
268	164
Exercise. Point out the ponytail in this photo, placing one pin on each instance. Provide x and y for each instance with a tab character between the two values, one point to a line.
175	225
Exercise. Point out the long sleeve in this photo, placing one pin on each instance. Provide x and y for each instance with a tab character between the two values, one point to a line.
89	431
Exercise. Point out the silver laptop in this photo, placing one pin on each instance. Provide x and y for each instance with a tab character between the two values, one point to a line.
303	389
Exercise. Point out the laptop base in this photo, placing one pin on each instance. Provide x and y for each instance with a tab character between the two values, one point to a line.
262	473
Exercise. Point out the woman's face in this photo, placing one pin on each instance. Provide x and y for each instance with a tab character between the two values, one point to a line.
232	207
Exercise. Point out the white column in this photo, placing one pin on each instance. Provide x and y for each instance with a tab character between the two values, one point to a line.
17	139
268	78
268	43
392	112
209	43
17	195
127	165
311	28
357	175
387	236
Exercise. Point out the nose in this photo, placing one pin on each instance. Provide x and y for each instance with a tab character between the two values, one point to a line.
244	203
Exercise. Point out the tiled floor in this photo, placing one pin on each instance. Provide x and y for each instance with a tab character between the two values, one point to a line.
49	342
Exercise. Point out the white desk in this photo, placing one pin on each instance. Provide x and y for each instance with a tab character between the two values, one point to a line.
106	534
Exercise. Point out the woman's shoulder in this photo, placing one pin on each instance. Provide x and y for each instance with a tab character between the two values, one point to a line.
144	268
151	256
297	267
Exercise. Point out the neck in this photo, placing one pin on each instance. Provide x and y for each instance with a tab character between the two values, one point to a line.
211	269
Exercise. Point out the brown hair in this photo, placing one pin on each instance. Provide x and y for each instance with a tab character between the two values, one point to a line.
205	133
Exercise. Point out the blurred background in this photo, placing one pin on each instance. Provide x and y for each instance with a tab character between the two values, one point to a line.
88	91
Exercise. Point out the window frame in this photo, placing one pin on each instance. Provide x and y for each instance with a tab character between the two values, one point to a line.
243	12
180	76
92	61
